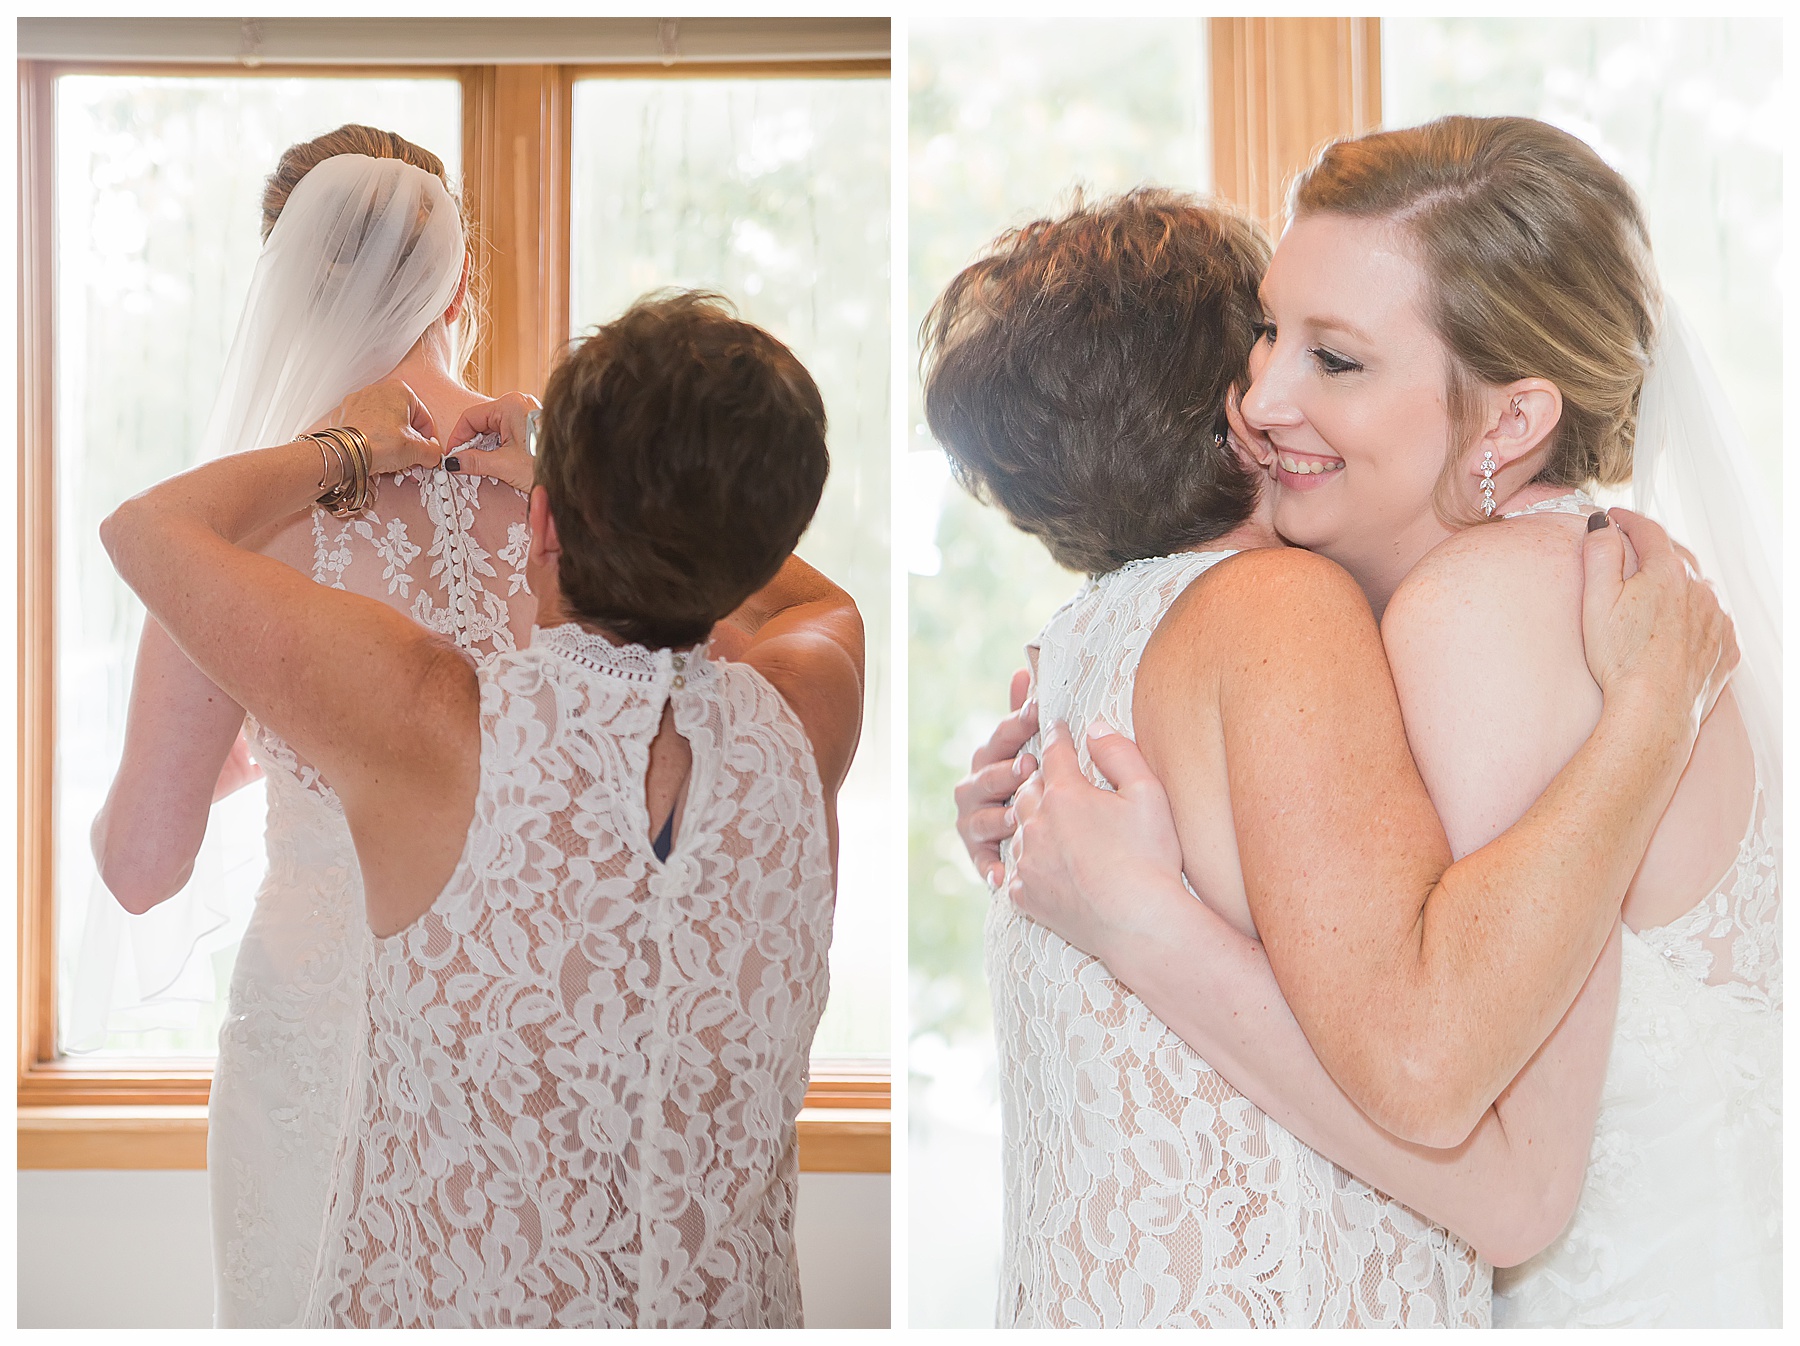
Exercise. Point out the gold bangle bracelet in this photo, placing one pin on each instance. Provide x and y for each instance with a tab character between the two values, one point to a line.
332	497
357	492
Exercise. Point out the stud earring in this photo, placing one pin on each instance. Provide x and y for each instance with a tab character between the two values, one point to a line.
1218	441
1487	483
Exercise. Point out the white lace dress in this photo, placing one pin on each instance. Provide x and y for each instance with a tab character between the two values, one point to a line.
1679	1223
575	1102
450	552
1142	1190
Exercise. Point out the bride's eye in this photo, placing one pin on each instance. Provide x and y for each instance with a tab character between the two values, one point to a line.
1331	362
1263	331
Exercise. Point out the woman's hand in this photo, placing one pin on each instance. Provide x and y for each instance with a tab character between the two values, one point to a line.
493	439
982	819
1090	863
1661	628
396	425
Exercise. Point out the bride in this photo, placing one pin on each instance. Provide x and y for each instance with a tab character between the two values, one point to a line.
363	276
1368	323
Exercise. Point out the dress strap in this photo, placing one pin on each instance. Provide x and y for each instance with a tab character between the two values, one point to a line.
1575	502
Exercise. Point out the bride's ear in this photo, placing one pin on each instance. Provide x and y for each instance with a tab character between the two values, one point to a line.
461	296
1521	417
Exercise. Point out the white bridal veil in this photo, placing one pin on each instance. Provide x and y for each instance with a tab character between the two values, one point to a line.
365	255
1692	472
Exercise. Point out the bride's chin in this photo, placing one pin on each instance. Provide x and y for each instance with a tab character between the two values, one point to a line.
1298	517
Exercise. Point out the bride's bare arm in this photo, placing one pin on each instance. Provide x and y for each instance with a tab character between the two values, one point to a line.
179	733
1508	1189
1425	987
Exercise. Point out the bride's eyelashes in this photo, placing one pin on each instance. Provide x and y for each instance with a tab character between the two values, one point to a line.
1330	362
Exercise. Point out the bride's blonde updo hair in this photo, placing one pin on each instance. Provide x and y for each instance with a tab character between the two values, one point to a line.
299	160
1537	263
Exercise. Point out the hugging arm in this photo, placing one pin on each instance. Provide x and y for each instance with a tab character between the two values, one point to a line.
1511	1185
1424	987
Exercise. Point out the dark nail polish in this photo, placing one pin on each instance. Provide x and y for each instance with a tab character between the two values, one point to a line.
451	465
1597	520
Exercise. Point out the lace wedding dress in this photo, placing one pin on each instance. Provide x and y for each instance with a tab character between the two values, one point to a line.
575	1102
1679	1223
1142	1190
449	551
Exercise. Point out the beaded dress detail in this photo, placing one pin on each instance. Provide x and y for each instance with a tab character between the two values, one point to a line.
1679	1223
575	1101
1142	1189
449	551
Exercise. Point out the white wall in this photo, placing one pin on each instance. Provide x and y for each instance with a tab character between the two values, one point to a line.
121	1249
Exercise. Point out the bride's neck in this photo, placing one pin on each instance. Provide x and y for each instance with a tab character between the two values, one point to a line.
427	365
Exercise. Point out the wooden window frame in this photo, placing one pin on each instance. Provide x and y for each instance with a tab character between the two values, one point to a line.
151	1113
1281	90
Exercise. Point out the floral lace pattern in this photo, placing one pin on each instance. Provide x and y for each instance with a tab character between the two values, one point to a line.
575	1105
1731	939
296	997
1142	1190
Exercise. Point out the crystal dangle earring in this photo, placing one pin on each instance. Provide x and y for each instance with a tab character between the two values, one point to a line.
1487	483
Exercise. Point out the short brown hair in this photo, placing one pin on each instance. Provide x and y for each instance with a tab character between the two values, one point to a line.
683	452
1077	375
1537	261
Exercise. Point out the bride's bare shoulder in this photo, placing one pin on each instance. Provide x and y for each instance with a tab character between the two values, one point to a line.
1492	618
1526	571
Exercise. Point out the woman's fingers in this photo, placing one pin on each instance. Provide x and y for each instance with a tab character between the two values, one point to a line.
1009	736
396	425
1117	758
1020	689
1662	625
504	416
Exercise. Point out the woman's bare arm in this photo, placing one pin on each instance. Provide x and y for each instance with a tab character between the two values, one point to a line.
804	634
179	732
1508	1189
1424	987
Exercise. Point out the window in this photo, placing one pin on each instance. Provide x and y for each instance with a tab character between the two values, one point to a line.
139	194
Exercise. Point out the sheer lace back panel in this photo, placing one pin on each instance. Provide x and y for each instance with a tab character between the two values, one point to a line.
576	1102
1679	1220
1142	1190
448	551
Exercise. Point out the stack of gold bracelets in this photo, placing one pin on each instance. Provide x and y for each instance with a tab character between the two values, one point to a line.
355	489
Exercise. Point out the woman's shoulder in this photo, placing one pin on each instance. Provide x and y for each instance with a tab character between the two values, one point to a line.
1490	621
1526	568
